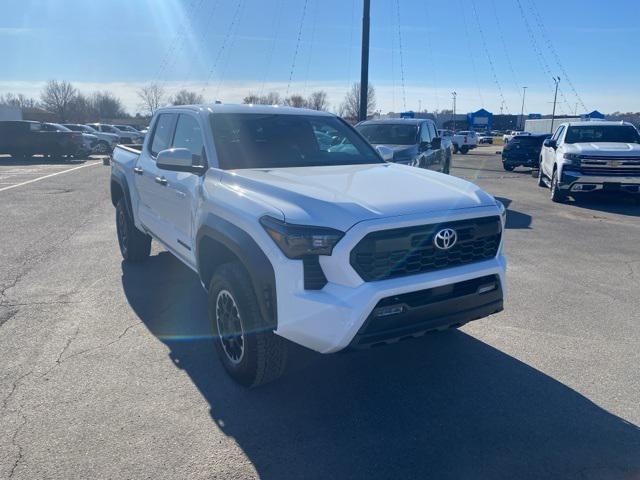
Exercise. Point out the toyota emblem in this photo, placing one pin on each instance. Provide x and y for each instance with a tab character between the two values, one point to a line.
445	239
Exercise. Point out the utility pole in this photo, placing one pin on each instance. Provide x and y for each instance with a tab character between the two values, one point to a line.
524	93
454	95
364	66
555	99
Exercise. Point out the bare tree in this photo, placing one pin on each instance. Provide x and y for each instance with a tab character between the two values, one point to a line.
18	100
81	109
185	97
350	108
107	105
296	101
152	97
272	98
318	101
57	98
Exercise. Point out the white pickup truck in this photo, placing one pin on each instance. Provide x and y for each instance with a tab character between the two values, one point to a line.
464	141
591	156
330	249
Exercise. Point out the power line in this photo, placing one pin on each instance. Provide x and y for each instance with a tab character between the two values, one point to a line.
536	48
295	53
545	36
313	38
231	42
486	50
471	55
404	93
276	30
431	55
507	56
223	46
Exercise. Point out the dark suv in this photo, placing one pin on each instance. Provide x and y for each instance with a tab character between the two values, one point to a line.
413	141
523	151
24	139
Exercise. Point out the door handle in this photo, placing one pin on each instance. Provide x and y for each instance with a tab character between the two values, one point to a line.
138	170
162	181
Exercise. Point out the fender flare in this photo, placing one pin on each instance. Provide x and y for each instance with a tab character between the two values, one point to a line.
253	259
120	179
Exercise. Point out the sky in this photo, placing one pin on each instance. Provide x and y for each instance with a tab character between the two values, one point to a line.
421	50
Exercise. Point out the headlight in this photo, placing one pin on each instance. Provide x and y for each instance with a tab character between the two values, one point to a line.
297	241
572	158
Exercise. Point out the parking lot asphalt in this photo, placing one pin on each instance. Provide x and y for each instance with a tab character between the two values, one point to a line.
108	371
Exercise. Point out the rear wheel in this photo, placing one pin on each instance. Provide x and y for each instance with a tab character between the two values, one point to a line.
135	246
248	349
508	168
464	150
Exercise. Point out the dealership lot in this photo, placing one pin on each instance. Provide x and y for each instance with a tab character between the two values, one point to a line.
108	370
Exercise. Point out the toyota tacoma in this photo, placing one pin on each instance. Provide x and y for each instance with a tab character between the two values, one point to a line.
295	239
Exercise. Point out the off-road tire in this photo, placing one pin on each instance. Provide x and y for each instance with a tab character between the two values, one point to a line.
135	246
264	354
508	168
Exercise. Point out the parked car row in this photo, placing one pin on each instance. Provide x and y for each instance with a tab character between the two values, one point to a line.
28	138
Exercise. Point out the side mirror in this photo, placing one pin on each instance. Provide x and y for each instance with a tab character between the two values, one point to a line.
436	143
550	143
385	152
178	160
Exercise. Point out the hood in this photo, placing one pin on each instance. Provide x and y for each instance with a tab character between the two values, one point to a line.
604	148
341	196
401	153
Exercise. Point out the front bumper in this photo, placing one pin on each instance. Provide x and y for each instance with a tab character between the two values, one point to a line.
575	181
329	320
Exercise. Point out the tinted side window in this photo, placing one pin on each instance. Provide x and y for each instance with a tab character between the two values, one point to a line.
432	128
163	133
189	135
425	133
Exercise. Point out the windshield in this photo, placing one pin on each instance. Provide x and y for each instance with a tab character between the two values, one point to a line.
55	127
278	141
389	133
602	133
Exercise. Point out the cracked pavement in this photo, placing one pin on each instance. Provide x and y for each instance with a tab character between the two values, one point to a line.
108	371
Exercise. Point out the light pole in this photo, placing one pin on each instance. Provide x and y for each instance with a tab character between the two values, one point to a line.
524	93
555	99
364	67
454	95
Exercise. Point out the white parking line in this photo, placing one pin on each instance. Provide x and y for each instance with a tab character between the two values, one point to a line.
49	176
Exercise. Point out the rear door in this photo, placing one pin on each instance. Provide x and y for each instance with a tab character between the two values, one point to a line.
148	178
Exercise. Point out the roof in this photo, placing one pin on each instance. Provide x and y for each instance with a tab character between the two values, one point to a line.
591	123
249	108
397	121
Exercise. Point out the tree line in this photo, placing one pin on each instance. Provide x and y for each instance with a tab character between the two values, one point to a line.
68	104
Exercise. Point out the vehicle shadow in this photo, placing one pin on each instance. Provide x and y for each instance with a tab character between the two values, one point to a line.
609	203
444	406
515	219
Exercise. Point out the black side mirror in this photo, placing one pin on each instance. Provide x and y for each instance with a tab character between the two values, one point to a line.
550	143
436	143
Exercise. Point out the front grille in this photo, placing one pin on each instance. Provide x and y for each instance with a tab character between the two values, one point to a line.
605	158
409	251
611	171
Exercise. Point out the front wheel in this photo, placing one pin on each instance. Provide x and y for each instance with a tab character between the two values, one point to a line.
248	349
135	246
541	182
102	148
557	195
508	168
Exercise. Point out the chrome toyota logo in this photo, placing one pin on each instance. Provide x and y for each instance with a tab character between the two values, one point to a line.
445	239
